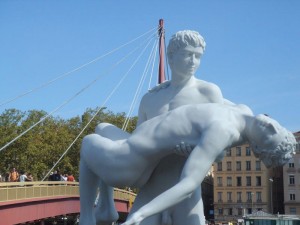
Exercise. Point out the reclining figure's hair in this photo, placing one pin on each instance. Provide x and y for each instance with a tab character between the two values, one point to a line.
280	155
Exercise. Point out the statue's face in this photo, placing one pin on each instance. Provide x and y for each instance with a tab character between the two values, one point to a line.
186	61
273	144
266	131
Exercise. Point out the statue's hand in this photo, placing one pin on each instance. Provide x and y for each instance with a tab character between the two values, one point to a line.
183	149
135	219
160	86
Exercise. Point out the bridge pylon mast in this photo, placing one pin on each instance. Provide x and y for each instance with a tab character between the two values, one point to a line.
161	69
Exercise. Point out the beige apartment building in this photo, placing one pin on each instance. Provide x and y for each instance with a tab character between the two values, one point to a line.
291	178
242	185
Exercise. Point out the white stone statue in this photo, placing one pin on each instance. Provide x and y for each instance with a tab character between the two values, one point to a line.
184	52
208	128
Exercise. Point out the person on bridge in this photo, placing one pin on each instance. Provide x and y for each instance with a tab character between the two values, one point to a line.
24	177
13	175
71	178
209	128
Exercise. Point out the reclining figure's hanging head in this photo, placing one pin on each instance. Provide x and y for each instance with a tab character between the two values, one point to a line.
272	143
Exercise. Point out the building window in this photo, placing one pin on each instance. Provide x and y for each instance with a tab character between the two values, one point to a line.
239	196
229	197
238	151
291	165
298	146
248	165
238	166
258	165
219	196
293	211
230	211
228	166
258	181
292	197
219	166
248	151
219	181
240	211
258	196
248	181
228	152
229	181
249	196
238	181
292	179
220	211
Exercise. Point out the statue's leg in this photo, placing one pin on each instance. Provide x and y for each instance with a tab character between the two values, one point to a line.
111	131
88	188
145	195
165	175
90	177
190	211
106	212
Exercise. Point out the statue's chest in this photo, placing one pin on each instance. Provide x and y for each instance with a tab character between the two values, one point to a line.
165	102
186	97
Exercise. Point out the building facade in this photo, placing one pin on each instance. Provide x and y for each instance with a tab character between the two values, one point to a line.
291	182
242	185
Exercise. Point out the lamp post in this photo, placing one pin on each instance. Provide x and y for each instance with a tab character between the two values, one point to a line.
271	180
252	194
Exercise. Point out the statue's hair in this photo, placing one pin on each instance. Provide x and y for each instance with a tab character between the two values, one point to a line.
281	154
184	38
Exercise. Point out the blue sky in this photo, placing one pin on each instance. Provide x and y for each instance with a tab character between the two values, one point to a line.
252	54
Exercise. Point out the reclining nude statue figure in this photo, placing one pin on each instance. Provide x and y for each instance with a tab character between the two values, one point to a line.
208	128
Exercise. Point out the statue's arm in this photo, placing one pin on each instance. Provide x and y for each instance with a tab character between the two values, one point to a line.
142	113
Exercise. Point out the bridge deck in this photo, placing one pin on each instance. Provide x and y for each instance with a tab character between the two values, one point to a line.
22	202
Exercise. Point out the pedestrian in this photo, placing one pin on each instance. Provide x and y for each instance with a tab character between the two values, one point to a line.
13	176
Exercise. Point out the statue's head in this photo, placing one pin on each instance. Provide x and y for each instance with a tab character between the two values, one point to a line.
271	142
183	39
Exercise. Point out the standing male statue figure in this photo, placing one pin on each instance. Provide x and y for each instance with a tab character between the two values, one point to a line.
184	53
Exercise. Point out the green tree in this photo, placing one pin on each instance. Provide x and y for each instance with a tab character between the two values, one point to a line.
41	147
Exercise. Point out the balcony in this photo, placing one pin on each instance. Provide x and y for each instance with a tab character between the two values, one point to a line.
291	170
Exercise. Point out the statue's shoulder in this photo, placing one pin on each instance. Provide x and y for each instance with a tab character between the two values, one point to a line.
206	84
160	86
208	87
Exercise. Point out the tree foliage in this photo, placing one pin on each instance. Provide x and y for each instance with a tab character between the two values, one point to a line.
40	148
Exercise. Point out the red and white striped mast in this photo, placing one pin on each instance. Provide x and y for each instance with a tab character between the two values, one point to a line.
161	69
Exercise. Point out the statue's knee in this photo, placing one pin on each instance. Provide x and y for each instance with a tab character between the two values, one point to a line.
85	146
101	127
